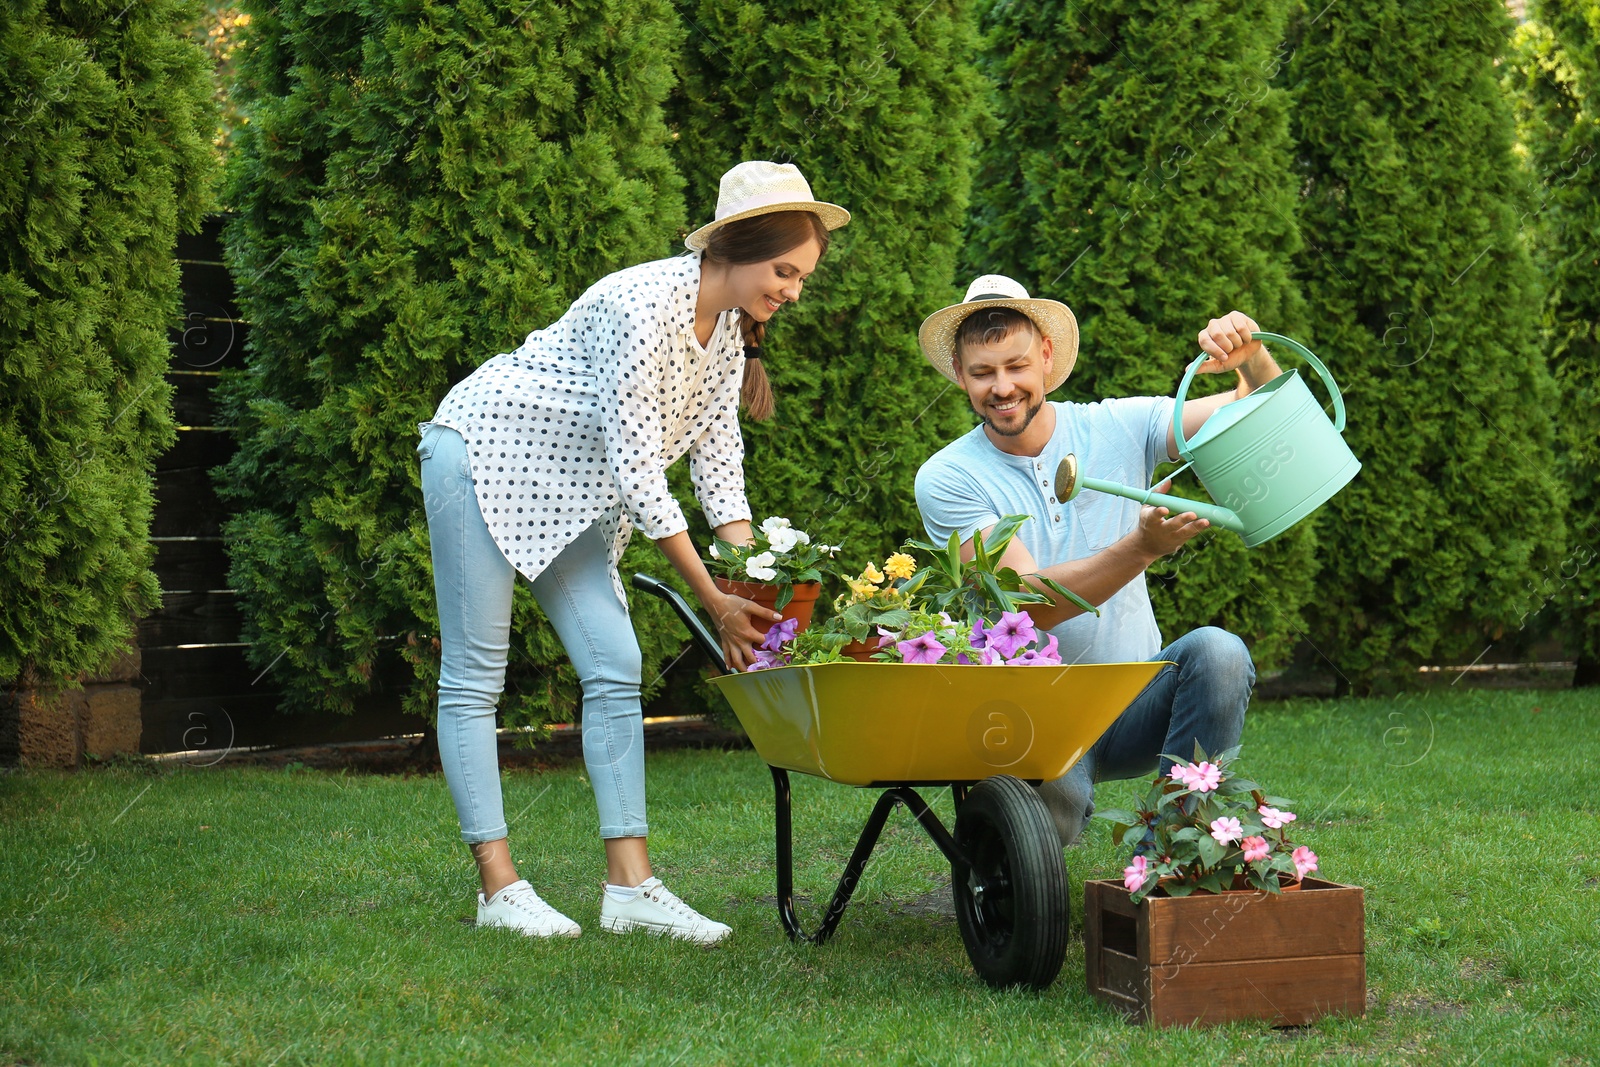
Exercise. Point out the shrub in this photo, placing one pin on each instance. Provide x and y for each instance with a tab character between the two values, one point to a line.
419	186
1423	294
103	158
1141	175
1556	82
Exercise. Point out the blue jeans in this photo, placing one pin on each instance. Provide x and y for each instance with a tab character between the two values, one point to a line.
473	582
1203	698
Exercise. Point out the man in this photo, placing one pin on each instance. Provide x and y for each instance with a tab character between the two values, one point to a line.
1008	352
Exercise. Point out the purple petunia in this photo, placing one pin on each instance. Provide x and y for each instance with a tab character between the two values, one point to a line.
924	649
1014	630
765	659
780	634
980	630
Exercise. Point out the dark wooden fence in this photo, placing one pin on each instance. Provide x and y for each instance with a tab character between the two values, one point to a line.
199	690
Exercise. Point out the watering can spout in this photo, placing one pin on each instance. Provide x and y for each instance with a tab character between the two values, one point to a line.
1069	483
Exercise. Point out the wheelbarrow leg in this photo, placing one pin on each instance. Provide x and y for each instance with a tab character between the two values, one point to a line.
852	871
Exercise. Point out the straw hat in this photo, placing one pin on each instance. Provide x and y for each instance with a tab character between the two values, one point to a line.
1054	319
757	187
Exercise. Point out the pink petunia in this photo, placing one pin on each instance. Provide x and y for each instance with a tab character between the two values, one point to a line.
1255	848
980	631
1275	819
1305	861
925	649
1226	829
1014	630
1133	876
1027	658
991	658
1051	649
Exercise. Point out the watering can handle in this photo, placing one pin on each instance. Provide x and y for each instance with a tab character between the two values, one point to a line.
1275	338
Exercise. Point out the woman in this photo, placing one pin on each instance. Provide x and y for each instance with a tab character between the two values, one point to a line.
542	462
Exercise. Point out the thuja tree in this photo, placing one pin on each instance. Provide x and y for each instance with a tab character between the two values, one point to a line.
1141	174
104	157
1556	87
1422	292
876	103
419	186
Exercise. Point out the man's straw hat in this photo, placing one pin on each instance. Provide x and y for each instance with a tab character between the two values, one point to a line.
757	187
1054	319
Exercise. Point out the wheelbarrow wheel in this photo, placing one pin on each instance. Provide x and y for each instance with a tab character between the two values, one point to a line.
1012	901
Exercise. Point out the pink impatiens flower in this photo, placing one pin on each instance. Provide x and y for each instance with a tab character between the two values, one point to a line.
1255	848
924	649
1305	861
1014	630
1226	829
1275	819
1207	776
1133	876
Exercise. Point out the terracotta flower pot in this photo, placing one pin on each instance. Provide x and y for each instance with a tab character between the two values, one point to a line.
861	651
766	594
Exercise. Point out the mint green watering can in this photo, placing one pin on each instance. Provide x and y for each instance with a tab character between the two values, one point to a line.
1270	459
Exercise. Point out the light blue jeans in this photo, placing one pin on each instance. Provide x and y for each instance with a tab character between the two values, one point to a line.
1203	698
473	581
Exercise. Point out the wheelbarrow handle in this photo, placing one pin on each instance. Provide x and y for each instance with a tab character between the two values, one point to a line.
697	627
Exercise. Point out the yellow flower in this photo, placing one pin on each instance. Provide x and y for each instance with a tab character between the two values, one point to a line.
872	574
899	566
862	590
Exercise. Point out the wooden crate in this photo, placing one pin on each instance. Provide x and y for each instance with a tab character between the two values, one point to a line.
1215	958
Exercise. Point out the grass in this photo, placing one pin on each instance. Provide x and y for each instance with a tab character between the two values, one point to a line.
233	915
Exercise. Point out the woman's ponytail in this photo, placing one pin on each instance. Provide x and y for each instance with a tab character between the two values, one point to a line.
756	393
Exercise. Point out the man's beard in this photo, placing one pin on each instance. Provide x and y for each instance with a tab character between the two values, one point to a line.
1026	422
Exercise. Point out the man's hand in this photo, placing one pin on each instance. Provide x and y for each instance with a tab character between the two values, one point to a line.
741	624
1227	341
1161	533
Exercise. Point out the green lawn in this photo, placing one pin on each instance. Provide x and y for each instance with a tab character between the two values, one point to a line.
235	915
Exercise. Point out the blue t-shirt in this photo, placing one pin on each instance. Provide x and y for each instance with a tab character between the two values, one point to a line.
970	485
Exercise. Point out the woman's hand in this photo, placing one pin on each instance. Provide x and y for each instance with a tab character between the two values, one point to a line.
741	624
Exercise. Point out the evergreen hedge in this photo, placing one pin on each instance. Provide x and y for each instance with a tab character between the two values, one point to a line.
1557	88
419	185
1142	174
104	156
877	104
1424	296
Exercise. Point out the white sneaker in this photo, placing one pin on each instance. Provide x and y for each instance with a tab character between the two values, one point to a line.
517	907
656	908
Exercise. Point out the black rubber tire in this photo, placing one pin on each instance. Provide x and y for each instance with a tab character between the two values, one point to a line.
1013	903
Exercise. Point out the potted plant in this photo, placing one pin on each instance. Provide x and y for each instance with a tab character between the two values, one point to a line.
781	568
875	600
1203	926
980	588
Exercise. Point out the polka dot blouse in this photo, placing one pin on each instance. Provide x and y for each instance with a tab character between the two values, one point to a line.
579	425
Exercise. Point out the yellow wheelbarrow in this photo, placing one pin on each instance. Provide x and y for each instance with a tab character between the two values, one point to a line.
988	733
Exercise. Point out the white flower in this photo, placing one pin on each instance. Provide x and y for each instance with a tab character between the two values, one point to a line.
802	537
773	524
782	540
760	567
714	553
